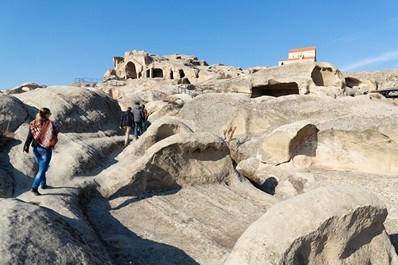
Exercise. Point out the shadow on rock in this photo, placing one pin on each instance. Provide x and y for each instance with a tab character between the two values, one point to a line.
143	197
124	246
394	241
5	163
268	186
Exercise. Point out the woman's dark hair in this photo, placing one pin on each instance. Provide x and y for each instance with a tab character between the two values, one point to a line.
41	115
44	111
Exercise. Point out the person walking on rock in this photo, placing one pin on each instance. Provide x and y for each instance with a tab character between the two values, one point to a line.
43	135
138	115
126	123
145	121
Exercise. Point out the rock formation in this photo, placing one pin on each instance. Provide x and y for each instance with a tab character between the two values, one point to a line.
234	159
34	235
360	82
337	225
23	88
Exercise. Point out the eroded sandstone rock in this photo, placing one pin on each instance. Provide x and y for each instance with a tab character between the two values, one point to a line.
88	121
23	88
34	235
288	140
336	225
180	160
12	113
75	109
283	181
157	131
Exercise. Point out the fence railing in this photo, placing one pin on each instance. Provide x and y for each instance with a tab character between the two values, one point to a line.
88	80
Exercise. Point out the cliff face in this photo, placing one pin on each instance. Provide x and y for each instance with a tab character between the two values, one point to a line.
236	156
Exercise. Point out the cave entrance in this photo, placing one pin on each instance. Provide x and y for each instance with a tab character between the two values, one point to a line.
275	90
131	72
181	72
351	82
157	72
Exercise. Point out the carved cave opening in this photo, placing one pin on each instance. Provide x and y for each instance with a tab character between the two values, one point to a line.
157	72
131	71
275	90
351	82
181	72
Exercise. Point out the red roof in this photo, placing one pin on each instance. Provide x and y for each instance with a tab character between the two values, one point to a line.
303	49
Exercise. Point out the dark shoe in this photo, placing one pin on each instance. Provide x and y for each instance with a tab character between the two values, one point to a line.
45	187
35	192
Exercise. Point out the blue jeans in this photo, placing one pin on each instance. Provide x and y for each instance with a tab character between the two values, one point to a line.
137	129
43	158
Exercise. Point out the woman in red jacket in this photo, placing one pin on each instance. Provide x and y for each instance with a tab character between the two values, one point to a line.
43	137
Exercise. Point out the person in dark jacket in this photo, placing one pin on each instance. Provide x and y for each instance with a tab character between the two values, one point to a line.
138	115
43	135
126	123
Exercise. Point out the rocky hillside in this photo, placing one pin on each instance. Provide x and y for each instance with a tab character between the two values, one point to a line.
296	164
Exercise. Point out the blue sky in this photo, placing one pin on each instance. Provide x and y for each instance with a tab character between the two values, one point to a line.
52	42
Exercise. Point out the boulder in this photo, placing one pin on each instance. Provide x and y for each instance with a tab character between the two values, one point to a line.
157	131
75	109
283	181
201	113
287	141
335	225
34	235
178	99
363	82
159	109
180	160
12	113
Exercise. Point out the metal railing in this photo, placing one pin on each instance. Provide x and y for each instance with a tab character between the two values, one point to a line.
388	93
87	80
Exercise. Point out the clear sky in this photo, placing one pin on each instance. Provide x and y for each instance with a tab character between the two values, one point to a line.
52	42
